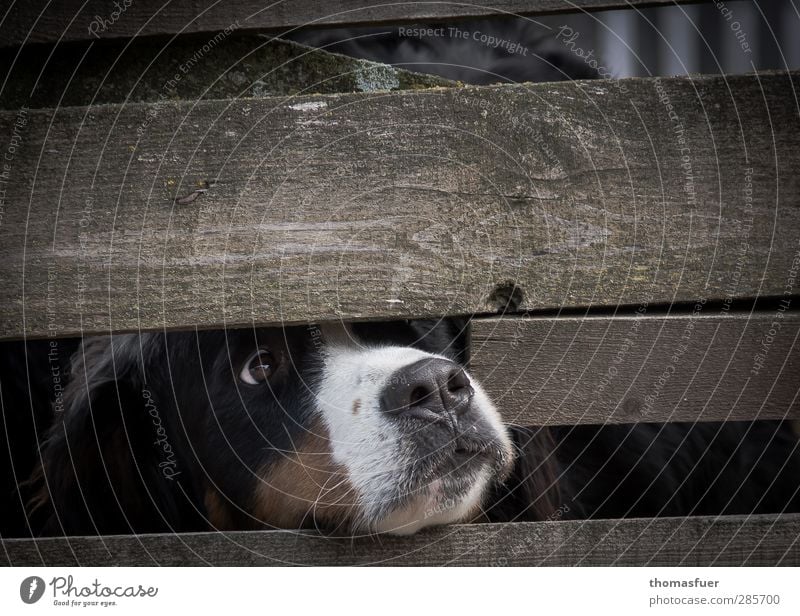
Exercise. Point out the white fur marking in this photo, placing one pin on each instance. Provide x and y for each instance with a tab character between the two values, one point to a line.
371	448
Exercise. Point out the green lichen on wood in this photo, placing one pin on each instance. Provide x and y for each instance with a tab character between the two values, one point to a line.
190	68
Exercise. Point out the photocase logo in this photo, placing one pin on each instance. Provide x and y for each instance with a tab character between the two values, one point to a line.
31	589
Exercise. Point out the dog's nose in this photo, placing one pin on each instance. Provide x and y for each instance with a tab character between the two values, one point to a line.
429	388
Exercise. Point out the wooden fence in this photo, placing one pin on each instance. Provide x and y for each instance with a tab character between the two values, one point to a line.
610	236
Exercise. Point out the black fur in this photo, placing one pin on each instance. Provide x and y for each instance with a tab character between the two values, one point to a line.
31	375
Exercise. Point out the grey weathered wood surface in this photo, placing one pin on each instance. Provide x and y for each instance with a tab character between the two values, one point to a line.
27	22
398	204
144	70
698	367
699	541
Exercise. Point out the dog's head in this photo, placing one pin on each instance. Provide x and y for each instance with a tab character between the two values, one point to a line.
365	428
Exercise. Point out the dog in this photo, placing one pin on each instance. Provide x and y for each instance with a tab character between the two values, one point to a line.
350	429
300	427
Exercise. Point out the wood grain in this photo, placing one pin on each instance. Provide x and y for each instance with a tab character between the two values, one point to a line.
699	541
36	21
697	367
399	204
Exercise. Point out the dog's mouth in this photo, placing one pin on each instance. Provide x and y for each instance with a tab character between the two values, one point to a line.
467	456
446	485
456	448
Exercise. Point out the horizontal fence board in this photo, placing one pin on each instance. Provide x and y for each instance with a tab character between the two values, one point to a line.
698	367
699	541
36	21
399	204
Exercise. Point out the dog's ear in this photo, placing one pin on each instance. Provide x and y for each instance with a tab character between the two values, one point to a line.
107	464
448	336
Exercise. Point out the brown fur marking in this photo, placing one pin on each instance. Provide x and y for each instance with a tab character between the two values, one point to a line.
307	488
217	510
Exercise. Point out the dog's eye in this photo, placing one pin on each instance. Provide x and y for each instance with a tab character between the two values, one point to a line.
258	368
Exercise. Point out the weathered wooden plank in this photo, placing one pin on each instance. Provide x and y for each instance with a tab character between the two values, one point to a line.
223	65
38	21
706	367
399	204
698	541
